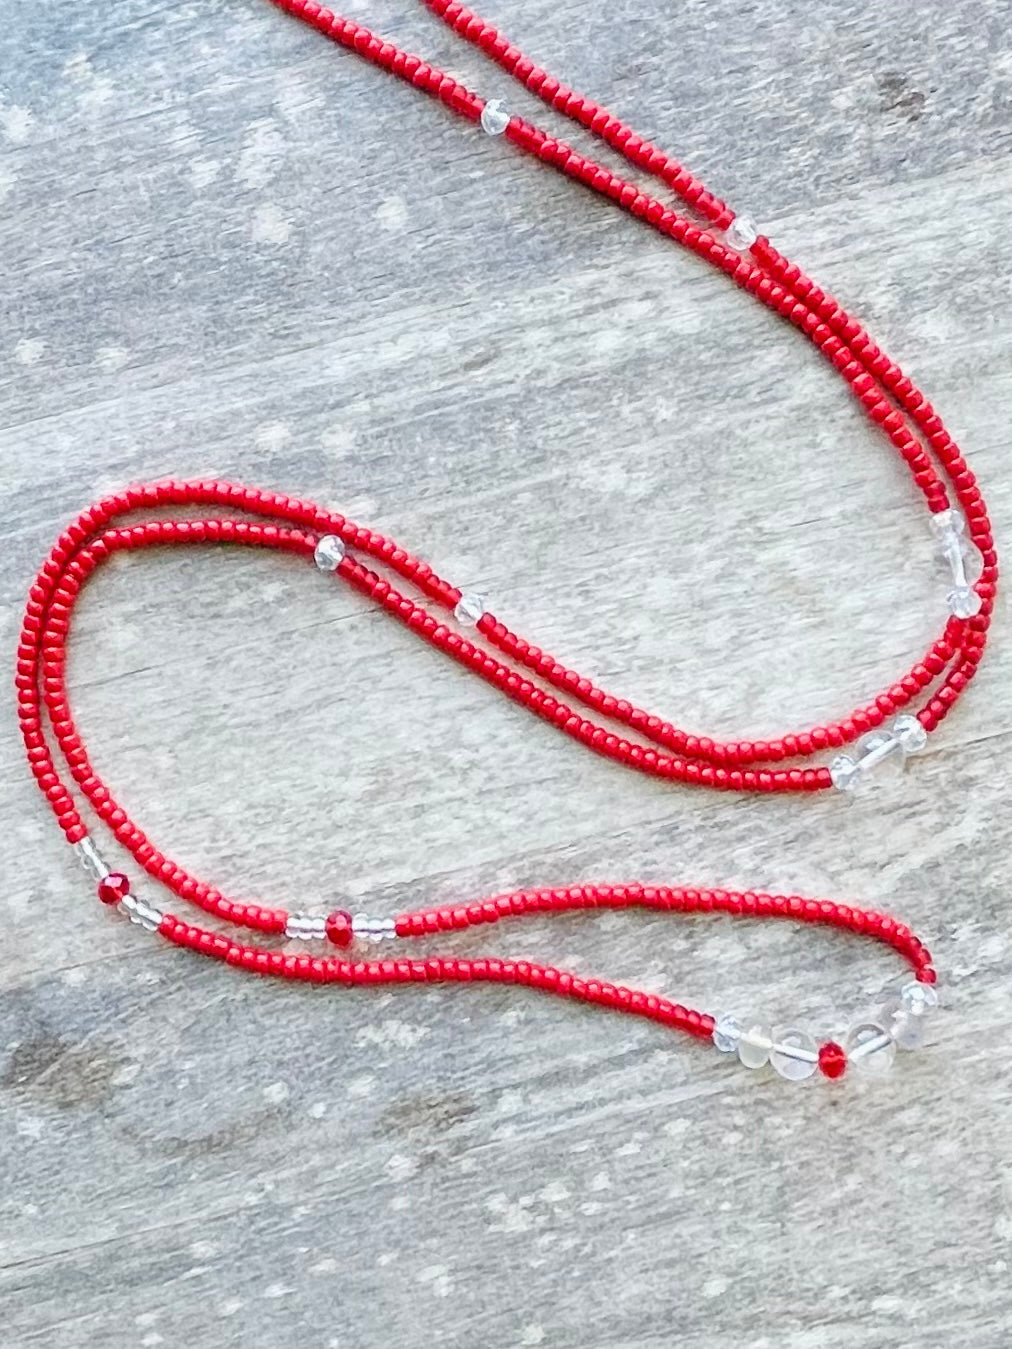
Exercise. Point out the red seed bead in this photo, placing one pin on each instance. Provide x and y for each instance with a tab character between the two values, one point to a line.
832	1059
113	888
339	927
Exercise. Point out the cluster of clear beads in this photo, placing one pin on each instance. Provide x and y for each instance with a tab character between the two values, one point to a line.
898	1021
306	927
889	746
366	928
957	550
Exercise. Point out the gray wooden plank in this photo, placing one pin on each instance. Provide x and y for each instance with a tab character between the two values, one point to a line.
232	250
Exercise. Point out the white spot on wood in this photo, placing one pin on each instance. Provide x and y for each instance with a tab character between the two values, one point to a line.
328	1265
715	1286
264	147
203	1250
400	1168
30	1126
230	1306
7	180
391	1034
204	171
436	1277
364	1085
29	350
145	1319
276	1290
318	1109
532	1334
555	1192
270	225
126	1073
75	977
276	1093
272	436
602	1181
16	123
392	214
111	358
78	69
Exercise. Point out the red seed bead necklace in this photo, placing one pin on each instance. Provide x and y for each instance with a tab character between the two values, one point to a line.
883	727
335	544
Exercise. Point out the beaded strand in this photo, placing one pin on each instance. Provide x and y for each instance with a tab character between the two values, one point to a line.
328	540
883	727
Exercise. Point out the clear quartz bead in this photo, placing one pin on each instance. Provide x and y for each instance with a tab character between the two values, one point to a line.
329	552
963	602
469	609
908	1009
870	1048
948	522
741	234
495	117
726	1034
845	773
910	733
880	750
754	1046
794	1054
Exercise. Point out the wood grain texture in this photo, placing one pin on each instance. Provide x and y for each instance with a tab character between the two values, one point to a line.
232	250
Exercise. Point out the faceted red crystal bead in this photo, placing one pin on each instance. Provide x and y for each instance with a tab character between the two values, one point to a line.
112	888
339	927
832	1059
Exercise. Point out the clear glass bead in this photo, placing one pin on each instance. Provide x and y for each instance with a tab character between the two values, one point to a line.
910	733
908	1012
495	117
726	1034
329	552
870	1048
963	602
794	1054
754	1046
469	609
948	522
844	773
880	752
741	234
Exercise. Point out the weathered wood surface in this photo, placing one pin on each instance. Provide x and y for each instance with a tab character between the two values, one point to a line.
231	249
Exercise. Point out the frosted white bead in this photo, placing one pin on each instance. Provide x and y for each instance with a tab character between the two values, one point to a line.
794	1054
910	733
741	234
963	601
845	773
367	928
306	927
726	1034
329	552
880	750
495	117
754	1046
907	1012
870	1048
142	913
948	522
90	858
469	609
919	999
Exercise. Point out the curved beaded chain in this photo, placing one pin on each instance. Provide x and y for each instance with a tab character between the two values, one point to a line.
270	520
887	395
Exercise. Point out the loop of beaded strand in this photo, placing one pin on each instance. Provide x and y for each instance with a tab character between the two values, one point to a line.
291	526
886	394
891	401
